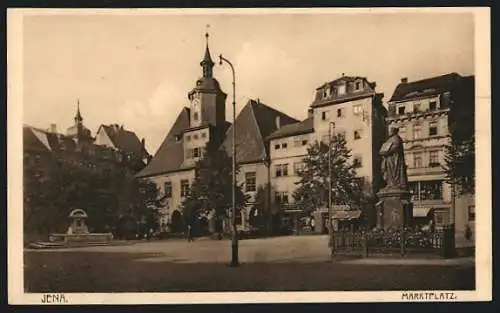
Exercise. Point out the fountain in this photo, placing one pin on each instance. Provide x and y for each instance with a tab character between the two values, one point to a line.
77	235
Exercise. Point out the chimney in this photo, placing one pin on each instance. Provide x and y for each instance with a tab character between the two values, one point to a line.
258	100
343	74
404	80
309	112
143	143
278	122
53	128
121	127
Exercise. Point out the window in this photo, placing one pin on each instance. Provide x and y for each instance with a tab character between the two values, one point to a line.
471	213
167	189
196	153
357	109
401	110
195	116
432	105
417	160
195	136
357	134
250	181
341	89
281	170
184	187
416	107
300	141
445	99
433	159
188	137
426	190
432	128
358	85
298	167
284	145
324	115
357	161
277	146
417	131
340	112
203	135
281	197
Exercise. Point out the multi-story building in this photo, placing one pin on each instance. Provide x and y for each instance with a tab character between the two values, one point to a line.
356	110
288	146
172	168
48	153
421	111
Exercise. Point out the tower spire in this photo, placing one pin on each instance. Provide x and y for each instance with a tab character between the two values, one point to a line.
207	64
78	117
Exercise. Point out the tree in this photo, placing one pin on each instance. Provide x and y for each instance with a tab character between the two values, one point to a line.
312	191
211	190
460	165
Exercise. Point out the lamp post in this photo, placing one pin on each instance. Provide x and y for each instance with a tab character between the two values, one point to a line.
331	127
234	240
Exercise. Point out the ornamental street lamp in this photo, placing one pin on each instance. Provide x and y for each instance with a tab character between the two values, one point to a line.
234	240
331	128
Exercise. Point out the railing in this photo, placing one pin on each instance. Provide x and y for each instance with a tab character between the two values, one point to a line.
388	242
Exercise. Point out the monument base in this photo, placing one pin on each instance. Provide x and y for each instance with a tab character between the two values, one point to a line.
394	208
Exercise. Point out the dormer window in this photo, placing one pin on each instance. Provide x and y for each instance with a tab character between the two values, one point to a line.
341	89
358	85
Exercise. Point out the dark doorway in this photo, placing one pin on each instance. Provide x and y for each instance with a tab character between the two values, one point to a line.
177	225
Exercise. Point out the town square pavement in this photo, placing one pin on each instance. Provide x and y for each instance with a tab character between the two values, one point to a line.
292	263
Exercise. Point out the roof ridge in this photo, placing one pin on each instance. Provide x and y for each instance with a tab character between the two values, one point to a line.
434	77
254	117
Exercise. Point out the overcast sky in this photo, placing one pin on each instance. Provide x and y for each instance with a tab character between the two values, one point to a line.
136	70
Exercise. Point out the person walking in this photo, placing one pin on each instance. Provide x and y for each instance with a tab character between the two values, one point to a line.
189	233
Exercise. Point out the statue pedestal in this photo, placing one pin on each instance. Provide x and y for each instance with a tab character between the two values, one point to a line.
394	208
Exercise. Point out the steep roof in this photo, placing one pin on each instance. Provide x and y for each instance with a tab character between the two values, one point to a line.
253	125
424	87
124	140
170	155
35	139
304	127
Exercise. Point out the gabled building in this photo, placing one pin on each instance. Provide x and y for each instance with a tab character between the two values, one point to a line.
118	138
425	111
203	120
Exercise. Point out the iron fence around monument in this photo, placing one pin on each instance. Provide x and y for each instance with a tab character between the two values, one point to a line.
377	242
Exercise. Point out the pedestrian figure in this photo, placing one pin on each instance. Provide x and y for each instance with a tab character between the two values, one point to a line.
189	234
313	224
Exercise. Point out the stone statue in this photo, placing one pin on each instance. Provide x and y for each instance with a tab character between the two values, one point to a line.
393	162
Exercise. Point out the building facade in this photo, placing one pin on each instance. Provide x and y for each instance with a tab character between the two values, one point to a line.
203	121
356	109
421	111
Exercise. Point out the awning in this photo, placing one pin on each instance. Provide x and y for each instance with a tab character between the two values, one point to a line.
346	215
421	212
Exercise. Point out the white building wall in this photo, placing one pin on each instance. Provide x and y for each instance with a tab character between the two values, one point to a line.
350	121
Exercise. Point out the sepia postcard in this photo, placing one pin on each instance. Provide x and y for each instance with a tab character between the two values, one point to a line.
179	156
